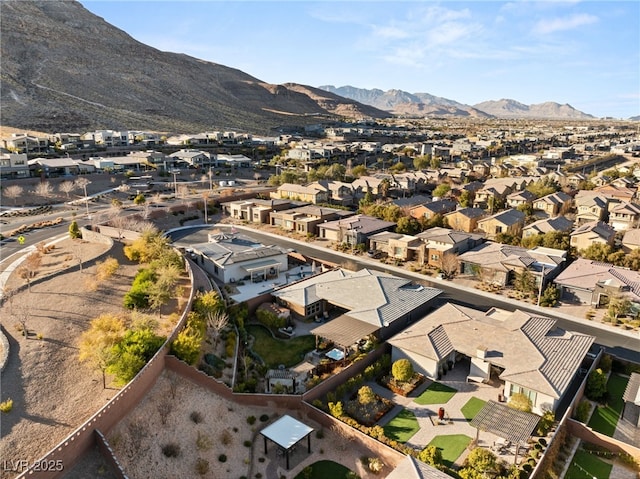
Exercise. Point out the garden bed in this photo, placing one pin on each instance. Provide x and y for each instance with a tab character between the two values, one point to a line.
403	388
368	411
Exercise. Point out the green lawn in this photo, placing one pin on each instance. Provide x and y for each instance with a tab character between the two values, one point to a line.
280	351
605	418
402	427
451	446
472	407
436	393
585	465
324	470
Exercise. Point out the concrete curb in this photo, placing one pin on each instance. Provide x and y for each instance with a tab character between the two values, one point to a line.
4	354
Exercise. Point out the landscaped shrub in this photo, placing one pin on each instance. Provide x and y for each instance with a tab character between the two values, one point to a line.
520	402
251	420
402	370
138	296
222	458
335	409
431	455
202	466
270	319
596	385
203	442
196	417
546	422
264	418
132	352
582	411
6	406
171	449
247	443
74	230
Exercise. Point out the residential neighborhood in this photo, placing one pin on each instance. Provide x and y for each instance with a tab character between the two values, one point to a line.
338	256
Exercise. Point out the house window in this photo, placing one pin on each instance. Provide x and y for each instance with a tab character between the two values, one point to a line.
498	229
435	257
532	395
397	251
314	308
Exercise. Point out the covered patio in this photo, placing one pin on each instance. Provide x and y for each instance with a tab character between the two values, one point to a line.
286	432
514	426
262	270
344	331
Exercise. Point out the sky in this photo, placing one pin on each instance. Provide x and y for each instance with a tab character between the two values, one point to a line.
584	53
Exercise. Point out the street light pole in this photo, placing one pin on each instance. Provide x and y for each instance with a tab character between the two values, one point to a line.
86	199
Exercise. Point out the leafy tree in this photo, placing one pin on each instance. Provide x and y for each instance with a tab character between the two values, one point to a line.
543	187
384	187
187	345
479	464
550	296
402	370
96	344
507	238
438	221
597	252
358	171
441	190
525	208
270	319
138	294
632	261
132	352
434	163
366	395
408	225
525	282
421	162
520	402
398	167
431	455
74	230
618	306
466	198
596	388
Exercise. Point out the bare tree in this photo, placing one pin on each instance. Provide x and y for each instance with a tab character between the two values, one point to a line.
450	264
67	187
216	321
44	189
82	183
29	267
22	314
13	192
164	409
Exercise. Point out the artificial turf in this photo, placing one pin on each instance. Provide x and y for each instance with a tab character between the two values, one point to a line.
402	427
436	393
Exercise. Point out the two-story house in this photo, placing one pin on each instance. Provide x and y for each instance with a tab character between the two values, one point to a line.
440	242
465	219
547	225
429	210
592	232
553	204
520	198
624	216
305	219
354	229
308	194
508	222
590	207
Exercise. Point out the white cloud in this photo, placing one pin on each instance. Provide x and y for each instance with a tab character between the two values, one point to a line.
561	24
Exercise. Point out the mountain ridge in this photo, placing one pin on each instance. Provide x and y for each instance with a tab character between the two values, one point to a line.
66	69
405	103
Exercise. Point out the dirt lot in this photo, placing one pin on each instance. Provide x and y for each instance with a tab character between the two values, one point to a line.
52	393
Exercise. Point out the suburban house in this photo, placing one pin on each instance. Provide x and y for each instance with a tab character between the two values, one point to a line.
305	219
411	201
498	191
593	283
440	242
499	263
13	165
398	246
590	207
354	229
624	216
616	192
526	352
429	210
191	158
506	222
308	194
547	225
338	192
590	233
368	183
256	210
553	204
631	240
361	303
231	257
520	198
52	167
465	219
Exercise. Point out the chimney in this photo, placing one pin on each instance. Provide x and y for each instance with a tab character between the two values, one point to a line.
481	352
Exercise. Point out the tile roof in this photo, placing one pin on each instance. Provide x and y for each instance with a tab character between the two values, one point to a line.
229	248
585	274
412	468
364	224
507	217
531	350
547	225
599	228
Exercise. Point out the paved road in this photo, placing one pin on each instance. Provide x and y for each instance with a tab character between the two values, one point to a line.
623	344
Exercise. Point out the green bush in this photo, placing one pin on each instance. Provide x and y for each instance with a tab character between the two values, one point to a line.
6	406
138	296
270	320
132	352
196	417
596	385
171	449
264	418
222	458
251	420
402	370
74	230
582	411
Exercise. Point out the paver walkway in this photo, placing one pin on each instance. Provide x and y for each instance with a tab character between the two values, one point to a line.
458	424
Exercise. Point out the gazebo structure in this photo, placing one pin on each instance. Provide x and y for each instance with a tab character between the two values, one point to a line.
503	421
286	432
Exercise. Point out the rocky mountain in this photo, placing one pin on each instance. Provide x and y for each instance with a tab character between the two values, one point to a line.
548	110
408	104
423	104
66	69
